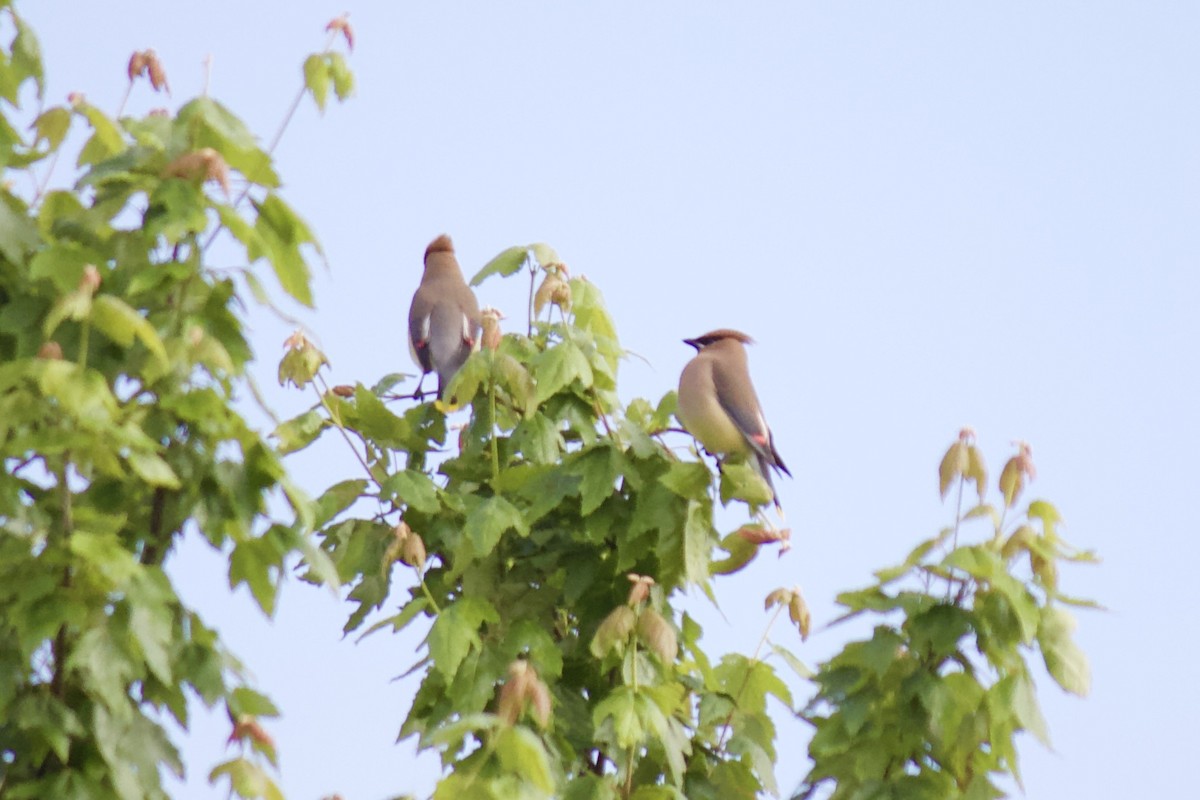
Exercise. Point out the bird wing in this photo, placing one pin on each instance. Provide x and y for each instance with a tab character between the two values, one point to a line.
419	328
737	397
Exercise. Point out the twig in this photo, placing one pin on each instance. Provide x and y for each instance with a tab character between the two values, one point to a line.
532	278
125	98
746	678
45	184
68	526
338	423
287	118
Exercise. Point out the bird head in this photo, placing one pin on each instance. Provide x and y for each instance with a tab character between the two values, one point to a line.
720	334
441	244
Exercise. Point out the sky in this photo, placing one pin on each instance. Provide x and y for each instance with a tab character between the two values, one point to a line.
928	215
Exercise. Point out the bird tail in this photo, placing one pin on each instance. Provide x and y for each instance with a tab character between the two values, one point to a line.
764	469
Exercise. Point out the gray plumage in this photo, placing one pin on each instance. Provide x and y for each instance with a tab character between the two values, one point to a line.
718	404
444	320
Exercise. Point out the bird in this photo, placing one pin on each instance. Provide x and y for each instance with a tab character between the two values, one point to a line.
444	320
719	407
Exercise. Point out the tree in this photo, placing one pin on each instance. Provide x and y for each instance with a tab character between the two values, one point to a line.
121	353
545	544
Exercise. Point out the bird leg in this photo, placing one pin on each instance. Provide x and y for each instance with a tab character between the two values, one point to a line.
418	395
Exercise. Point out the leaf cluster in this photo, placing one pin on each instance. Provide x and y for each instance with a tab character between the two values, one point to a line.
543	543
122	355
929	705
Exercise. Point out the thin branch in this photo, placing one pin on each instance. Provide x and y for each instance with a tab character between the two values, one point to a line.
341	428
746	678
287	118
40	191
532	278
59	646
125	98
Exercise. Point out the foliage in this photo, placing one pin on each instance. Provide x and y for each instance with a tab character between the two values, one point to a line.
543	542
929	705
548	546
122	352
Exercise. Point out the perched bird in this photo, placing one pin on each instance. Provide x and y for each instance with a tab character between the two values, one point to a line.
444	320
718	404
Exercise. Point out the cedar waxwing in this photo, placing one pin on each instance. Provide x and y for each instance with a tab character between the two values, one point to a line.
444	321
718	405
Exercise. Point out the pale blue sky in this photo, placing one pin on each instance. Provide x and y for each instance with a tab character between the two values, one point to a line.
928	214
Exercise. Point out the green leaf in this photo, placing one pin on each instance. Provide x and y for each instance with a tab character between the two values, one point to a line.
62	263
317	78
545	254
690	479
414	489
300	365
299	432
741	552
153	631
282	234
18	235
1065	662
246	778
211	124
698	539
522	753
505	264
75	305
619	713
488	521
83	394
742	481
106	139
1012	481
598	469
976	470
244	701
1025	706
121	323
153	469
559	367
796	665
105	554
954	463
177	209
399	621
51	126
378	422
456	631
591	787
512	375
255	562
343	78
27	56
539	439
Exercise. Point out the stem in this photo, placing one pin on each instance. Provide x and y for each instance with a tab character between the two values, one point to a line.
287	118
324	390
495	445
59	646
125	98
746	678
632	755
532	278
958	511
428	594
954	536
84	342
45	184
150	552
